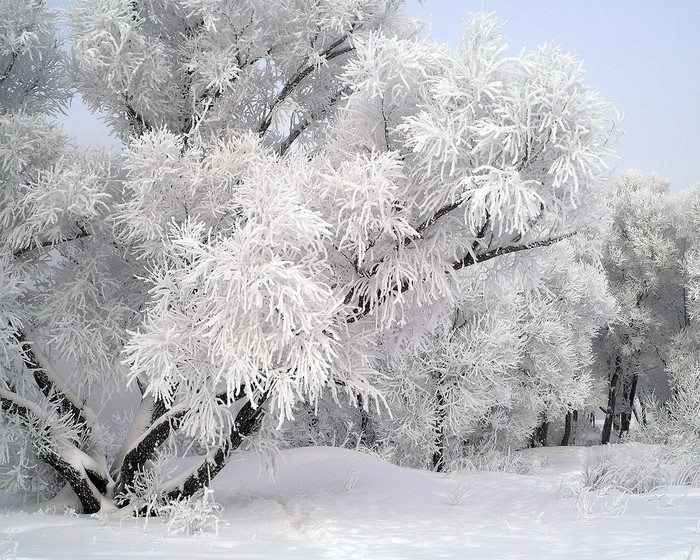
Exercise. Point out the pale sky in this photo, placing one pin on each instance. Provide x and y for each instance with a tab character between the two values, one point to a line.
642	55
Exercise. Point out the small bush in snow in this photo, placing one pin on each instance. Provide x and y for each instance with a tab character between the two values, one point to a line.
192	516
642	468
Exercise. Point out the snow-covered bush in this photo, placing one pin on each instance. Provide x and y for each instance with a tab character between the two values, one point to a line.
640	468
194	515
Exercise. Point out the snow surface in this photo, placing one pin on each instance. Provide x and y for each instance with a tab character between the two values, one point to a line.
338	503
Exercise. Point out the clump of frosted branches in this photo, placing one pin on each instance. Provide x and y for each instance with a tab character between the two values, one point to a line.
194	515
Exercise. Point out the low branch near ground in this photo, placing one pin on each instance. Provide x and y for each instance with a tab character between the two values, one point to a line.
199	476
79	470
58	394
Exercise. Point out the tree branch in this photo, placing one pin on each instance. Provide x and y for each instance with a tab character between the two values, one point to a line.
471	259
82	233
199	476
145	447
302	73
301	127
66	402
80	470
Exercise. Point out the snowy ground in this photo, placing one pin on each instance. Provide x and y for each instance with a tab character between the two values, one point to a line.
336	503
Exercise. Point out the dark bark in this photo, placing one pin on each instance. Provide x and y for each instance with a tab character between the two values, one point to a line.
626	416
79	479
143	450
440	439
568	426
539	436
247	421
367	435
613	387
87	483
64	404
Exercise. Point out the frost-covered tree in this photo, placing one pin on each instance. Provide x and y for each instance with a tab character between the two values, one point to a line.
680	414
641	255
516	351
299	180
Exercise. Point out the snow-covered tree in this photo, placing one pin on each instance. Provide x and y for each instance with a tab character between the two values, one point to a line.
641	256
516	351
300	179
680	414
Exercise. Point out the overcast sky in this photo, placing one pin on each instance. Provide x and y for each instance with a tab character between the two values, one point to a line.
643	55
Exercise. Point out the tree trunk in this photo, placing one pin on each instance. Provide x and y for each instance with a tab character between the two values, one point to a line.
367	434
440	439
200	475
612	399
571	415
626	416
539	436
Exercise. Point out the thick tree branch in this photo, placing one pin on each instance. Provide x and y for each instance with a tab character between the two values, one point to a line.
78	469
66	402
48	383
327	54
145	447
162	424
199	476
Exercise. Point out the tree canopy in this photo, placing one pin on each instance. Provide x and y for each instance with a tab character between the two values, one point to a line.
308	190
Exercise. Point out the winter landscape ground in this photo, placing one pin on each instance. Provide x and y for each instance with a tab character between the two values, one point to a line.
339	503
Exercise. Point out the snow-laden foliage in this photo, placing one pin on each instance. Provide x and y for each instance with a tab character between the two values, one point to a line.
31	60
679	419
242	302
314	209
216	68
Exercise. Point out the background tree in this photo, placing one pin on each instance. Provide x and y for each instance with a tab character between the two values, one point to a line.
518	350
299	180
679	419
641	258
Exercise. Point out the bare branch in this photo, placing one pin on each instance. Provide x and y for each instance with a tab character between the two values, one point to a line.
82	233
471	259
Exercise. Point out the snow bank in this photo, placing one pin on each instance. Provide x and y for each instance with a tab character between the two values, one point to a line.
337	503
